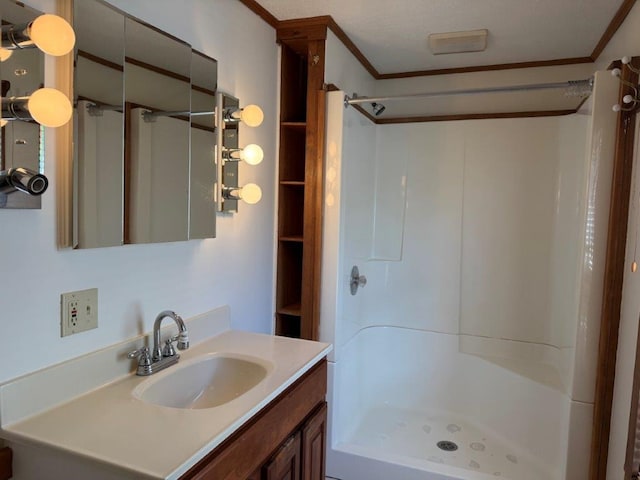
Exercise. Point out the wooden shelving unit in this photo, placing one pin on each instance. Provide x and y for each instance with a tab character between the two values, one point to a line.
300	181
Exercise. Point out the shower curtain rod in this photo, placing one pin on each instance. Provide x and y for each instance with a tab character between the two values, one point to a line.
571	84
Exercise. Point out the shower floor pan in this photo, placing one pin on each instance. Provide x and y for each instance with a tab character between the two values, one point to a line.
412	438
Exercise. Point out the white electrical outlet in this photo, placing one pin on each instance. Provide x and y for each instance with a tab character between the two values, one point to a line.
78	311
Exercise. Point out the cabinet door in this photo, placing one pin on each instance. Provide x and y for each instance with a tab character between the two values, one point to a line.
286	463
313	445
255	475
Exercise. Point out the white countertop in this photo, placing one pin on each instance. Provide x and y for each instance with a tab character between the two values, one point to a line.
110	426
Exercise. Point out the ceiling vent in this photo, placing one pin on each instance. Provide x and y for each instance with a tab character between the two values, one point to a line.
458	42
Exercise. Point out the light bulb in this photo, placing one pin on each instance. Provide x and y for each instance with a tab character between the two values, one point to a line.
50	107
252	154
5	54
52	34
627	99
616	108
251	193
616	72
252	116
626	60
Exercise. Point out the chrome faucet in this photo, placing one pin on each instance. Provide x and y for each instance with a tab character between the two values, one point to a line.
161	358
182	337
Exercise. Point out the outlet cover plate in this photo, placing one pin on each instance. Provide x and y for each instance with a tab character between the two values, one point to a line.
78	311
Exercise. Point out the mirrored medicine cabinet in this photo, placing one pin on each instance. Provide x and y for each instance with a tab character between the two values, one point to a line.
21	142
143	166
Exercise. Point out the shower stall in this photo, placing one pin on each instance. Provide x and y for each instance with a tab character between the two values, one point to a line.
470	353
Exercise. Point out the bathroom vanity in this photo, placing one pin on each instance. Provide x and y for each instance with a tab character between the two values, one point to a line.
284	440
261	415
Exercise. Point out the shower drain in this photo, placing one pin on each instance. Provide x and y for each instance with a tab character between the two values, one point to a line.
447	446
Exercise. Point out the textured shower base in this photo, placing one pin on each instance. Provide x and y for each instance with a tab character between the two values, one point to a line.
406	436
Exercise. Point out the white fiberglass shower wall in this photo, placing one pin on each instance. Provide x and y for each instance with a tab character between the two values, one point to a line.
483	245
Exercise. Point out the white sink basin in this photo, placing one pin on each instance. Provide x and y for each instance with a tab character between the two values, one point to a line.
204	382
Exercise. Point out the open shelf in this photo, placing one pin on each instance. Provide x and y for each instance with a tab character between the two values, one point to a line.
293	103
291	211
302	104
292	154
288	325
291	238
291	309
289	274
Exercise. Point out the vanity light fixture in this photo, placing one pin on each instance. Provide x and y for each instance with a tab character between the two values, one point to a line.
50	33
5	54
251	154
229	154
47	106
23	180
251	115
250	193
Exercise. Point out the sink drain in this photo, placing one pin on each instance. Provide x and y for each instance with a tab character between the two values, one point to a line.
447	446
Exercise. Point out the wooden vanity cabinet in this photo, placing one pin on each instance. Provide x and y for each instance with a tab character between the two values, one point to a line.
6	456
284	441
285	464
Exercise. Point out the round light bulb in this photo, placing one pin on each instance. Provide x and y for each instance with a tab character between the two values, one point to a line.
627	99
616	108
252	116
52	34
251	193
5	54
252	154
626	60
50	107
616	72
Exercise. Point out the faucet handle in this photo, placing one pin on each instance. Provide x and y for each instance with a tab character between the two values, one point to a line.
144	360
168	350
142	354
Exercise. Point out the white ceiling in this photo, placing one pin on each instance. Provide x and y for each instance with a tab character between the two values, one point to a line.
392	34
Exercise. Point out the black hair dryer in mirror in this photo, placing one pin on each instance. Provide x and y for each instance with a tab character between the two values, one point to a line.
23	180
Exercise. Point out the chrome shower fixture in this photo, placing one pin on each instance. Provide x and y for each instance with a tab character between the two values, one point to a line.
378	108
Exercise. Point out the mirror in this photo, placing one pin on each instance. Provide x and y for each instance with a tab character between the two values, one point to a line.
22	73
158	102
98	125
202	207
144	168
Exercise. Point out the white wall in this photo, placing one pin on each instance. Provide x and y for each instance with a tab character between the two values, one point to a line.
344	70
136	282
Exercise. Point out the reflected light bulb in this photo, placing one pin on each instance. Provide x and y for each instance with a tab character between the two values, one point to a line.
252	116
616	72
252	154
251	193
616	108
50	107
5	54
52	34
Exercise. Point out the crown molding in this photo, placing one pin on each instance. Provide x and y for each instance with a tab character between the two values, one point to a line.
328	22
